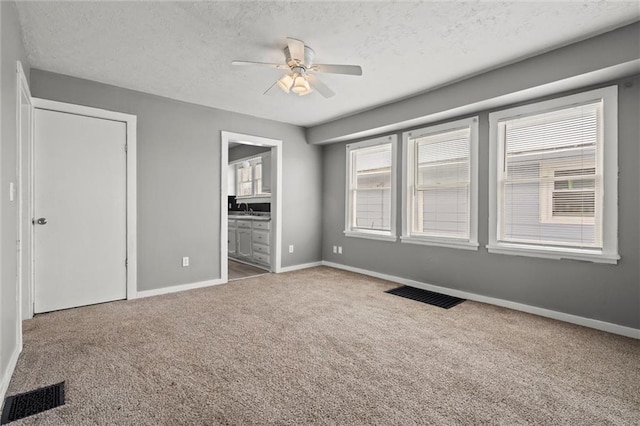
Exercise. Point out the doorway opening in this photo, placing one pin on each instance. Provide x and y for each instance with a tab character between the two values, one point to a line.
251	198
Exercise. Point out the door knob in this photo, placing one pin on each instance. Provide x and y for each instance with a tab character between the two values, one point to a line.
41	221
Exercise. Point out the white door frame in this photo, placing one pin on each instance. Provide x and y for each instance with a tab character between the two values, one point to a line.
276	196
25	200
131	123
24	145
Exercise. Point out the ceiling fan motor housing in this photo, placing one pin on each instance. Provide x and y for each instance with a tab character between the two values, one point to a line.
307	61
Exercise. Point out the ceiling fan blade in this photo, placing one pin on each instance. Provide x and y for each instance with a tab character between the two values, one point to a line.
337	69
318	85
296	49
271	90
261	64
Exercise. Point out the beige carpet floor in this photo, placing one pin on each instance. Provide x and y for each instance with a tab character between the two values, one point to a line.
323	346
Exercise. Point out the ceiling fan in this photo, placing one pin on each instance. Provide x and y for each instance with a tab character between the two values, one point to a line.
300	78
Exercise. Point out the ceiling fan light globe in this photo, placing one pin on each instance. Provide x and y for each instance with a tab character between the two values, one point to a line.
300	86
285	83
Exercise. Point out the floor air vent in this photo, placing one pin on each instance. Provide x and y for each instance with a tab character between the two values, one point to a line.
425	296
34	402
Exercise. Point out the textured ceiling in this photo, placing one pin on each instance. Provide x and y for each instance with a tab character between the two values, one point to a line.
183	50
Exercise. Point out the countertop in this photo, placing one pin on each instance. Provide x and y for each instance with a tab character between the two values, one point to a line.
263	218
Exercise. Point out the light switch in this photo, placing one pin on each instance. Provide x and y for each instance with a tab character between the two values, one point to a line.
185	261
12	191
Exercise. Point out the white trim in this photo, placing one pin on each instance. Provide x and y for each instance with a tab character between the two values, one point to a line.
408	171
449	243
81	110
132	228
390	235
24	148
8	373
300	266
224	208
177	288
276	196
132	210
370	235
609	253
547	313
552	252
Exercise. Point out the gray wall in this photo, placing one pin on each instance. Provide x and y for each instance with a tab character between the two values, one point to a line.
609	293
179	178
11	51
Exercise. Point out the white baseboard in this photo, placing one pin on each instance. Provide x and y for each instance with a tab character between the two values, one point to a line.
175	288
561	316
8	373
182	287
301	266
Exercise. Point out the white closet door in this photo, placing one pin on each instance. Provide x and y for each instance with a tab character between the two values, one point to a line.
80	191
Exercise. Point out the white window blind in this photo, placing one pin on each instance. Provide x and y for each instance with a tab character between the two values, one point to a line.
441	184
550	182
370	188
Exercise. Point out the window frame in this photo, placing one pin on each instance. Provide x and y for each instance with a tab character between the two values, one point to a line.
253	162
239	166
547	193
607	161
408	177
349	231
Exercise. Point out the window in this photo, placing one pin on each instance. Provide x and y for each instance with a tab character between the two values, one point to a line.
440	185
554	172
249	178
568	194
244	179
370	194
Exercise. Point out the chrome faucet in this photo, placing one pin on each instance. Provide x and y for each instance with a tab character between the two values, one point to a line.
246	207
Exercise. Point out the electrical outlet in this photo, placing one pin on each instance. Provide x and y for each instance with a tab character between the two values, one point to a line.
335	249
339	249
291	248
185	261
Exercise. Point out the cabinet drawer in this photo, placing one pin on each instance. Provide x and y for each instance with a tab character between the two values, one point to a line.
261	237
261	224
260	248
243	223
261	257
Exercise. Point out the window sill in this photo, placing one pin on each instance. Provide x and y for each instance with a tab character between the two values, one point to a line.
553	253
457	244
371	235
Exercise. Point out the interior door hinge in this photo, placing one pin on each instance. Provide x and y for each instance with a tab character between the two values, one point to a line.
126	147
126	263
